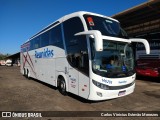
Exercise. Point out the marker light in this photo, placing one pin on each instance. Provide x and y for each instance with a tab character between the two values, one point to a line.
99	94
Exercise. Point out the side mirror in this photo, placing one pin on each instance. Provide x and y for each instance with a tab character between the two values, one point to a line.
144	41
97	36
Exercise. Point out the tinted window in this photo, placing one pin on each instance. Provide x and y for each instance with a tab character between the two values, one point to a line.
51	37
45	39
77	53
106	26
31	45
56	36
71	27
37	42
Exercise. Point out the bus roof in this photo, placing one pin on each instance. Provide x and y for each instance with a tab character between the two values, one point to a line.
81	13
66	17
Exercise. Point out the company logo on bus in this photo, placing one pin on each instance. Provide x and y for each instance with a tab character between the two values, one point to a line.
44	54
106	81
122	82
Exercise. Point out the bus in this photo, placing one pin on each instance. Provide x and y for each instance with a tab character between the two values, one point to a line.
83	53
148	65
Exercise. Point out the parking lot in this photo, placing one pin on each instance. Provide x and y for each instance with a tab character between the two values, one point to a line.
17	93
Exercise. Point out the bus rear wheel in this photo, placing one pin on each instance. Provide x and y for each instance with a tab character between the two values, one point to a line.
24	72
62	86
27	75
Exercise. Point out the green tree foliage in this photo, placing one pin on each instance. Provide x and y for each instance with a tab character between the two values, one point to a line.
3	56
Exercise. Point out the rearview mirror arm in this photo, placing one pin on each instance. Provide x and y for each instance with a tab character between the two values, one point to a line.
97	36
144	41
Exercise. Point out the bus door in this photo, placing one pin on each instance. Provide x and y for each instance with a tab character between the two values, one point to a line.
75	46
83	74
73	80
78	74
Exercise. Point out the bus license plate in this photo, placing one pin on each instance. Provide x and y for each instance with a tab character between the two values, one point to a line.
121	93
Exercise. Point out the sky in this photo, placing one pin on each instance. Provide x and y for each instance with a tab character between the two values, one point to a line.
21	19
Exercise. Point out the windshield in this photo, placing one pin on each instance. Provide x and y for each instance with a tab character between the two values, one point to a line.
116	60
106	26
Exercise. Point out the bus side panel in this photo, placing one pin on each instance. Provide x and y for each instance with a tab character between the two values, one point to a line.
83	85
21	63
27	62
61	66
45	70
31	64
73	80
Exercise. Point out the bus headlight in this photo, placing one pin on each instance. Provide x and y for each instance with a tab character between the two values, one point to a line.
100	85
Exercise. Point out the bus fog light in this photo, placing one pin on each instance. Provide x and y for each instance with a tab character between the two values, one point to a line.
99	94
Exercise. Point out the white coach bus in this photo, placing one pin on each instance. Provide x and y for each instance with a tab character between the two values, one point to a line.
83	53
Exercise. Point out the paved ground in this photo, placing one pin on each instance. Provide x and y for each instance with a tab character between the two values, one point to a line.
20	94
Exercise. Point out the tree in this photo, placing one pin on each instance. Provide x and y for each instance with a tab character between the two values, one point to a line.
3	56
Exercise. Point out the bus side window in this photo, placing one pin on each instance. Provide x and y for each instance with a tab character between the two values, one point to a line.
77	52
56	37
36	42
32	44
45	39
71	27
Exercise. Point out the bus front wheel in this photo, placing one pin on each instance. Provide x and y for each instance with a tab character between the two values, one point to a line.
62	86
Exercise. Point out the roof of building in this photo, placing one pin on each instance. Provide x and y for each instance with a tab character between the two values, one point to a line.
14	56
145	16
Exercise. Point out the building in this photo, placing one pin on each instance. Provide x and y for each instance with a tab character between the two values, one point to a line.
143	21
15	58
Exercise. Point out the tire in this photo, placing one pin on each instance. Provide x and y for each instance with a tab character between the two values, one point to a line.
62	86
27	75
24	72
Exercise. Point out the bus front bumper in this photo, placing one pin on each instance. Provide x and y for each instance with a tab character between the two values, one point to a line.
98	94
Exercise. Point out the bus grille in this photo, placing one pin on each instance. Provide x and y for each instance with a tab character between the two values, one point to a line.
120	87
